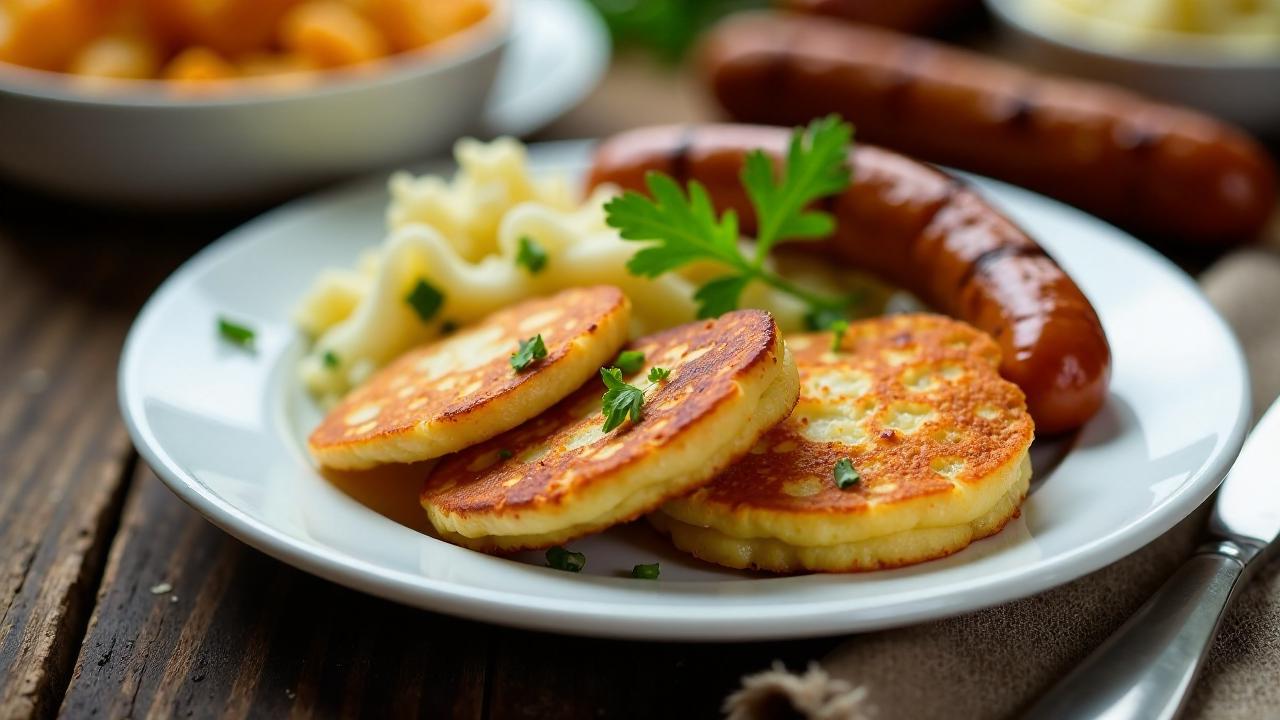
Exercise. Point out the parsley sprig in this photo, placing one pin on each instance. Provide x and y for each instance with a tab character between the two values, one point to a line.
622	399
683	227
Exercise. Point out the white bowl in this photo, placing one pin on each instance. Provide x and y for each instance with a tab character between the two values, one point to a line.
137	143
1244	89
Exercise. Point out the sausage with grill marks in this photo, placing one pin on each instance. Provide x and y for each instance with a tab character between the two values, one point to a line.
925	231
1158	170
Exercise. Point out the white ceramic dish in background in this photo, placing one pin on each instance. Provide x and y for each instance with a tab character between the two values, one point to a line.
226	431
145	147
1242	89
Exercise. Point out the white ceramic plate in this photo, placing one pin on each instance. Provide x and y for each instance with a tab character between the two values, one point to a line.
225	429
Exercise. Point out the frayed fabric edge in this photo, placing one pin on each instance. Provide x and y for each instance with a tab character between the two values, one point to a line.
814	695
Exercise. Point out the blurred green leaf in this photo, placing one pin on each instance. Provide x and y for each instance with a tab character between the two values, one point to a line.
666	28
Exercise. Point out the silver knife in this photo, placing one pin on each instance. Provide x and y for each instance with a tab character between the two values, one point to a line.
1146	669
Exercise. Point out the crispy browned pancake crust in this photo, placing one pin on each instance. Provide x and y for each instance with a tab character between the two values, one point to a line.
453	392
562	461
916	402
965	418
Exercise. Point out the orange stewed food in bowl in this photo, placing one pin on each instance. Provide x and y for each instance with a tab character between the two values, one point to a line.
202	40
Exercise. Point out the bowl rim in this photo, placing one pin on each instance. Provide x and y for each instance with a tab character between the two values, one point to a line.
482	38
1009	14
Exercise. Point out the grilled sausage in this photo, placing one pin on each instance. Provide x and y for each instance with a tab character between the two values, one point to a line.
923	230
1161	171
910	16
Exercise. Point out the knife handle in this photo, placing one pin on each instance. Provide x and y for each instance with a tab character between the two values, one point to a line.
1145	670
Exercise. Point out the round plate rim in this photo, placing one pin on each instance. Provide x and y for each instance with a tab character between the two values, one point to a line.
647	621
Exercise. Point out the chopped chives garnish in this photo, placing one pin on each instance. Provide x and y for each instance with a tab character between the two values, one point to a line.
235	332
629	361
645	572
846	475
561	559
838	329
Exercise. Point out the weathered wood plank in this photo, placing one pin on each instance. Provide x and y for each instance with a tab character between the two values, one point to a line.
239	634
72	279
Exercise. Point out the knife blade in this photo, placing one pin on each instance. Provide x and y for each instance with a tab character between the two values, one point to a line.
1248	506
1147	668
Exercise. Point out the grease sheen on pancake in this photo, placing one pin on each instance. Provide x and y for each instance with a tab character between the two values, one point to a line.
560	477
939	438
460	390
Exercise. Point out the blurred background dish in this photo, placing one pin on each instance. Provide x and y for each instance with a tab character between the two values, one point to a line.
228	140
558	53
1218	56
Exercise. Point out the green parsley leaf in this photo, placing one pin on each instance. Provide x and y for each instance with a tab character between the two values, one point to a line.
684	228
721	295
620	400
846	475
330	359
530	350
505	454
531	255
425	300
236	333
838	329
629	361
645	572
817	166
658	374
561	559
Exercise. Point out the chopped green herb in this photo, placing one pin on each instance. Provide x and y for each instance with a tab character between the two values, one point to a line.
448	327
645	572
236	333
838	329
531	255
620	400
330	359
561	559
530	350
682	227
846	475
505	454
629	361
425	300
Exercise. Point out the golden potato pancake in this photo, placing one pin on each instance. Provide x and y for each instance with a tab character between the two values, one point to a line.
456	392
560	476
938	439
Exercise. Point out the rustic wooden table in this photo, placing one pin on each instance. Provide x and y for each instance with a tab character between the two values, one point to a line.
117	600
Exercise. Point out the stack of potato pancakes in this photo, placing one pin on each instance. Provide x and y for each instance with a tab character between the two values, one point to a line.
895	442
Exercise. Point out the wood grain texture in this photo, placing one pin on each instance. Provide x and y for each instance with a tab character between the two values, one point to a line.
73	279
238	634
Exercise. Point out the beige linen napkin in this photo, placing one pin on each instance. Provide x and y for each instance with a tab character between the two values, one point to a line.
994	663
